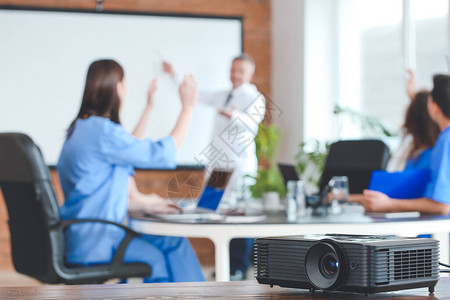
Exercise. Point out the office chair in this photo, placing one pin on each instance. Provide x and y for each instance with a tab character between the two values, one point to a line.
36	229
356	159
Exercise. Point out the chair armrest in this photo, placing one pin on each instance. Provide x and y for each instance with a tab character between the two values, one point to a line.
120	252
66	223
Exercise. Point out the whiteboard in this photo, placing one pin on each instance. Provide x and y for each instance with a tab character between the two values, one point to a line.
44	57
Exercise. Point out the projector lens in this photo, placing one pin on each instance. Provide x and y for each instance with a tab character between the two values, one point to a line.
330	265
326	265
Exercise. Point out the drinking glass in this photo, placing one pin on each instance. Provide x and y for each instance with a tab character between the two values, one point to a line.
338	195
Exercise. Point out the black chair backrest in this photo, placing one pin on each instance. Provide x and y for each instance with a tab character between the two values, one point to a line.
31	203
356	159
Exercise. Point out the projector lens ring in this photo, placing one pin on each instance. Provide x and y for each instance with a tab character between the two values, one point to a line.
326	265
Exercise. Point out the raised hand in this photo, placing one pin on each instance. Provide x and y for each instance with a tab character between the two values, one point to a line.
169	69
188	91
411	84
152	87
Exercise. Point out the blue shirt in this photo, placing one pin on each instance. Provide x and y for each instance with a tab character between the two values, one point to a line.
95	164
439	187
423	161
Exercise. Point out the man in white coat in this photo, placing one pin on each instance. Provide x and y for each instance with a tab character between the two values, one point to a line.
239	112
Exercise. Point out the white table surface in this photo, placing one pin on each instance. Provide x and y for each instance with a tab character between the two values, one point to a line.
353	222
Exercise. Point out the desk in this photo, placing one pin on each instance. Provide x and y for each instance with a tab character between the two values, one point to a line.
351	222
211	290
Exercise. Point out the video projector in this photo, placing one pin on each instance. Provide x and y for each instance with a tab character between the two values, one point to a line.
350	263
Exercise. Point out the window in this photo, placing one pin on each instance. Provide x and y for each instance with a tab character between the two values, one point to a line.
371	45
430	23
356	56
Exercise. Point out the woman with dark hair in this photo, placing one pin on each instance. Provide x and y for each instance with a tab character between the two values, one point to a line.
423	131
96	172
436	199
419	132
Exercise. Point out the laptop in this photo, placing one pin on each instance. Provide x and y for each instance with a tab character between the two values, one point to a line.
209	200
288	172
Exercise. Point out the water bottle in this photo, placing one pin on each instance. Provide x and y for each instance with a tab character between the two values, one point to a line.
295	200
291	204
301	199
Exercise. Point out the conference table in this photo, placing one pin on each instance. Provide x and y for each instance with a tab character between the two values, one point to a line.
203	290
351	221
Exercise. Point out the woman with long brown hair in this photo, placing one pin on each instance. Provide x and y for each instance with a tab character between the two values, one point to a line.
419	131
422	130
436	198
422	133
96	172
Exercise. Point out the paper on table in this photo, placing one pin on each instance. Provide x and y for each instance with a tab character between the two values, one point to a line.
244	219
396	215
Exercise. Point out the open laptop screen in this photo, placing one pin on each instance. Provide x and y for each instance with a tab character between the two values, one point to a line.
214	190
288	172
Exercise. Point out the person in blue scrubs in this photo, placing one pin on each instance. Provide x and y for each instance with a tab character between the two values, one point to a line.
422	130
419	132
437	196
96	172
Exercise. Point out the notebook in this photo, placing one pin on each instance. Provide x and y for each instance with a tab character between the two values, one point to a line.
408	184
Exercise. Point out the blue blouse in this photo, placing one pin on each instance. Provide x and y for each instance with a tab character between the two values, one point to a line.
439	187
423	161
95	164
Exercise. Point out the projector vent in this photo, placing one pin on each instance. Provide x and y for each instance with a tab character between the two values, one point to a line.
409	264
261	260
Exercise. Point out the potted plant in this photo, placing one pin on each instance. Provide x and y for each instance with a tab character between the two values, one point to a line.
311	157
269	185
310	162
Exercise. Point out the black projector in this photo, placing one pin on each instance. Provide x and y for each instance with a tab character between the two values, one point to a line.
350	263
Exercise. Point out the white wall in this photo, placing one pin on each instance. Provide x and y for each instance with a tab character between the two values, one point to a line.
287	72
305	76
44	57
321	38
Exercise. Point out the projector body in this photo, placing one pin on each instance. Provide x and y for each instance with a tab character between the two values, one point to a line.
350	263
